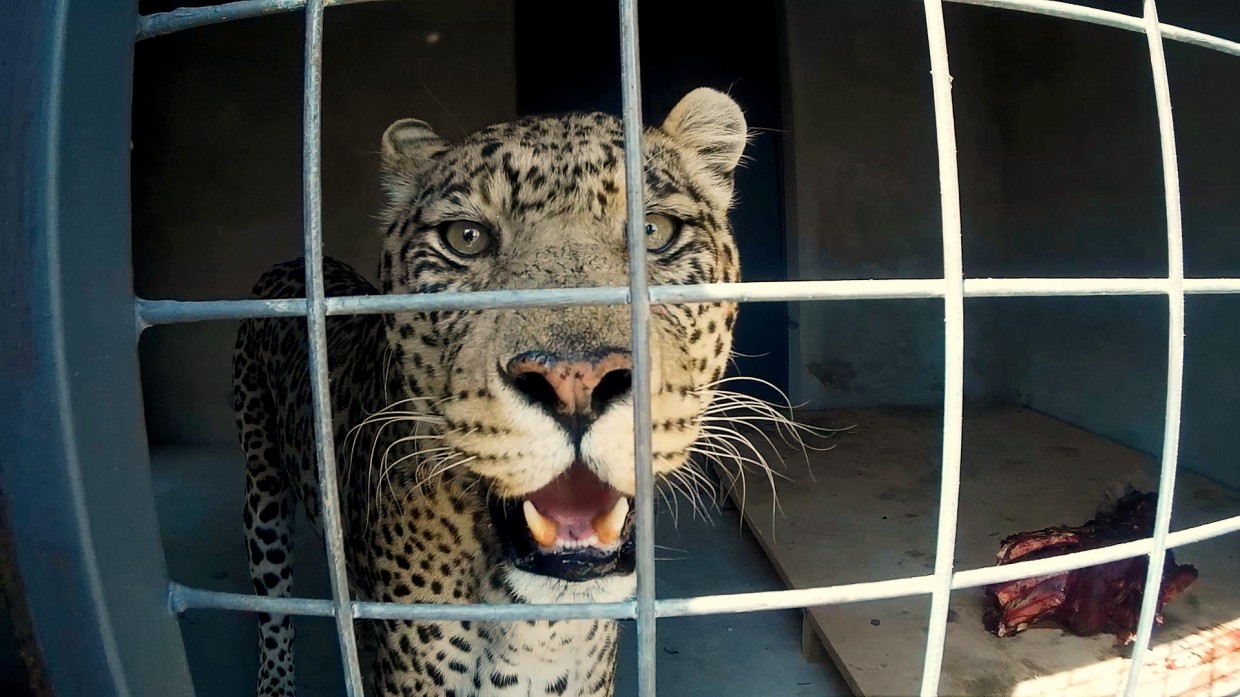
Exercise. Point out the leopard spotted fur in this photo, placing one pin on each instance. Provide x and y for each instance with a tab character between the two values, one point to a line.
432	435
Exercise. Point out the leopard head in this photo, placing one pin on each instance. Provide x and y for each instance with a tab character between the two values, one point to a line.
537	401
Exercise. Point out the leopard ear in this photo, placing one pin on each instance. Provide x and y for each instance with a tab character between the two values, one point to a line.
712	125
406	144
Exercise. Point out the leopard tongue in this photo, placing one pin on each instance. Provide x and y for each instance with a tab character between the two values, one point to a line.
575	507
604	529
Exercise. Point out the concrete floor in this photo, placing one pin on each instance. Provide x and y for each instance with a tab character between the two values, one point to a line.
198	494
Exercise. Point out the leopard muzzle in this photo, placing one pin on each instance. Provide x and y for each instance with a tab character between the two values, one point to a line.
576	527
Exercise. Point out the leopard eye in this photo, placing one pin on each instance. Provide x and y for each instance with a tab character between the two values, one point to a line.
467	238
660	231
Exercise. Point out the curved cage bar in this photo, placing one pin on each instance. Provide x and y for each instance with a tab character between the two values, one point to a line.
81	549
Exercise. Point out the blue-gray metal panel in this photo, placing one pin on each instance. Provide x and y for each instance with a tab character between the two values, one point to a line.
74	473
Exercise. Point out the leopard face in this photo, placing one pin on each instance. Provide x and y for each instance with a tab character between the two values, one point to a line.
536	402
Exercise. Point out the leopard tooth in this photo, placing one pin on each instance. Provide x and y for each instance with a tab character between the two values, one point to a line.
609	525
543	529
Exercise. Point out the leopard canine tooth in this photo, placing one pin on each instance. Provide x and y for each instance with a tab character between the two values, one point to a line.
543	529
609	525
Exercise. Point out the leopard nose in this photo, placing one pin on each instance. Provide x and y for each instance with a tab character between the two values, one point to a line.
572	385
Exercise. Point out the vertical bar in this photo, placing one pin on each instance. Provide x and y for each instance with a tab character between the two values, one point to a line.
953	357
634	175
316	320
1175	348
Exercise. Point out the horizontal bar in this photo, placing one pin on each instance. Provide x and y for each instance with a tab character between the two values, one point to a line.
799	598
1036	287
1204	532
1051	565
1208	286
189	17
182	598
515	612
1079	560
1045	287
1065	10
153	312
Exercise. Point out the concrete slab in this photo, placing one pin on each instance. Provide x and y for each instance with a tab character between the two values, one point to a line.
867	511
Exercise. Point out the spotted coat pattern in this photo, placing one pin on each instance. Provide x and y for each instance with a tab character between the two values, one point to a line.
425	429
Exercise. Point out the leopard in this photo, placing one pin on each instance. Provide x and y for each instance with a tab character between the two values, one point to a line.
486	455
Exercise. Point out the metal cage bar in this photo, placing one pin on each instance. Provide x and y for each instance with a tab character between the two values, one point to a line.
316	326
184	598
155	312
189	17
953	354
161	23
1175	350
639	297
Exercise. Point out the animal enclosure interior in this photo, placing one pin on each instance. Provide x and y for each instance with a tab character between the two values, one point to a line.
1060	177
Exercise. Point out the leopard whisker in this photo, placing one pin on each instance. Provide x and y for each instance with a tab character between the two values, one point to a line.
721	434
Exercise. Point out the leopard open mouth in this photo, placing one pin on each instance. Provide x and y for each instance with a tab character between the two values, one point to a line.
575	528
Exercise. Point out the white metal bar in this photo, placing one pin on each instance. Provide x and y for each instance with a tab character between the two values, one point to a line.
643	461
1175	350
799	598
1047	287
953	358
155	312
189	17
1065	10
316	325
1207	531
1211	286
182	598
973	578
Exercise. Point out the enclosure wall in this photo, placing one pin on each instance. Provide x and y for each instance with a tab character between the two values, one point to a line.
217	162
1060	177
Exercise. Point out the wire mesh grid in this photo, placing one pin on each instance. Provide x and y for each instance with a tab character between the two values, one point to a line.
953	288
